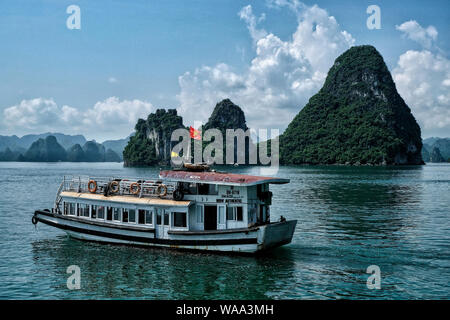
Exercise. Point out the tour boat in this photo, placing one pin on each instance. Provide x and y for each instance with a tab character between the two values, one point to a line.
184	209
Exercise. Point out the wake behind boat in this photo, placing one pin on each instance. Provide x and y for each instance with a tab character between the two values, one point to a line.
193	209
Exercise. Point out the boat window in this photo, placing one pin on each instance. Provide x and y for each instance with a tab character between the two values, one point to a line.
199	214
148	217
132	216
109	214
166	218
116	214
83	210
239	215
179	219
213	189
72	208
235	213
93	211
158	216
79	210
124	215
190	188
231	214
101	212
203	188
69	208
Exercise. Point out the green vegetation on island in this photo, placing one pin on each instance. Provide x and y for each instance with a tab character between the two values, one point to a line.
356	118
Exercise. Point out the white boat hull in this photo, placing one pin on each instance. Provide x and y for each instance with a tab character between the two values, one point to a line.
248	240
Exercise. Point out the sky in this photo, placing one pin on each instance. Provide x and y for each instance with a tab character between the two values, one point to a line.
128	59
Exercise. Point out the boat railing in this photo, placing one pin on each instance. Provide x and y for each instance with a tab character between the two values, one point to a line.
119	186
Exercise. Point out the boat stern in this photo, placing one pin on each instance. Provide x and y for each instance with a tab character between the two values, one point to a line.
276	234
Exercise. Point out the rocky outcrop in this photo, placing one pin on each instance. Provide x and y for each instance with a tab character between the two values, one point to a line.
151	143
76	154
357	117
227	115
436	156
45	150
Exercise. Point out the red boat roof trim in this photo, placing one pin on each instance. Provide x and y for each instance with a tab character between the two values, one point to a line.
223	178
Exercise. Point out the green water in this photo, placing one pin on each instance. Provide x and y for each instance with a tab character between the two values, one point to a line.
348	218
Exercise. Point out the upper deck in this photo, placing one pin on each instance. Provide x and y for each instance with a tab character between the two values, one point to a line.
219	178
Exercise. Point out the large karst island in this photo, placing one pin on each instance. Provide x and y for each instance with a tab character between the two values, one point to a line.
357	117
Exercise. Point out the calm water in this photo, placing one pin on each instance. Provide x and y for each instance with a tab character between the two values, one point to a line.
349	218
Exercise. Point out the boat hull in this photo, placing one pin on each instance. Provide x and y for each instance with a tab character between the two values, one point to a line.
248	240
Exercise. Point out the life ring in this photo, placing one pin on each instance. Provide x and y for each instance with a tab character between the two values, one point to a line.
92	186
135	188
34	220
114	186
161	190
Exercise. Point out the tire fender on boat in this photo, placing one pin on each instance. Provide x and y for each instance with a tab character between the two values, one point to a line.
34	220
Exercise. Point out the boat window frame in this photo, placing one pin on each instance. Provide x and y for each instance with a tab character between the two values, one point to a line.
159	216
151	213
125	213
234	213
166	214
173	220
98	212
119	219
92	210
129	215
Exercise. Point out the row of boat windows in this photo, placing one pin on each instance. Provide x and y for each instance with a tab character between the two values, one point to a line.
125	215
233	214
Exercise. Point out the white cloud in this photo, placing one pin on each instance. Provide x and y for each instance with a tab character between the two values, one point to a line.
110	118
423	80
31	113
282	76
246	14
112	80
414	31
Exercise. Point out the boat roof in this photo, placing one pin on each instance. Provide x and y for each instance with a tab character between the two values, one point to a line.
126	199
221	178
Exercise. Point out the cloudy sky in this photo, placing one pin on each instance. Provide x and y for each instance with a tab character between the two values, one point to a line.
268	56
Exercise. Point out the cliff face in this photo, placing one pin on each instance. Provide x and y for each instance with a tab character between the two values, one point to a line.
357	117
436	156
227	115
151	143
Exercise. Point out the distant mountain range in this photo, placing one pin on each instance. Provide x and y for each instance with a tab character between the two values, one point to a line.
60	147
436	150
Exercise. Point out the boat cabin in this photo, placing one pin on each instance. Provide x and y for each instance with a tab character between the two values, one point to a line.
177	201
